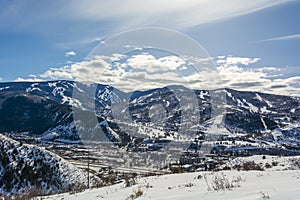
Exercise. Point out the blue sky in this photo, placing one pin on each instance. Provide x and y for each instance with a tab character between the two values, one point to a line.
39	35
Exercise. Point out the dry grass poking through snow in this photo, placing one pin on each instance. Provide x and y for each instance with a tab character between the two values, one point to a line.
219	181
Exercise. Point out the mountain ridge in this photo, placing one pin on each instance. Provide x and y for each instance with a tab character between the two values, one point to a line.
264	115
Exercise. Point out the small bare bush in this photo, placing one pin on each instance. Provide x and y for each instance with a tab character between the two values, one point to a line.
275	163
265	196
219	181
130	180
136	194
295	163
249	165
268	166
188	185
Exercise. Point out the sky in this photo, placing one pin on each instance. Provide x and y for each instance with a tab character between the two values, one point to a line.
254	44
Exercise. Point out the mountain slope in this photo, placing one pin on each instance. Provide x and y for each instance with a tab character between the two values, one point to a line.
23	167
245	185
46	109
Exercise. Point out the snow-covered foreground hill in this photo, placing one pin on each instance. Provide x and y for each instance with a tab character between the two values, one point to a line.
242	185
25	168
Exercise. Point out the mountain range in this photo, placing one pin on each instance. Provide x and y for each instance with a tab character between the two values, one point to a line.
73	111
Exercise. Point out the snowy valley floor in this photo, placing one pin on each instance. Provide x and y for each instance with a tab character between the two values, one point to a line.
247	185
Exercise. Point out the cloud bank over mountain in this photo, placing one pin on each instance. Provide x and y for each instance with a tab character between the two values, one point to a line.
145	71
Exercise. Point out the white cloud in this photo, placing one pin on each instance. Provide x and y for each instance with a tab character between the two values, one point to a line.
166	13
128	73
89	70
151	64
237	77
230	60
124	15
269	69
70	53
145	71
61	73
255	79
28	80
1	78
287	37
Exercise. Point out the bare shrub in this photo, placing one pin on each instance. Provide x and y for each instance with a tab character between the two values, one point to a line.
275	163
219	181
268	166
199	177
129	180
206	181
29	194
148	185
226	168
295	163
188	185
176	170
136	194
75	188
249	165
265	196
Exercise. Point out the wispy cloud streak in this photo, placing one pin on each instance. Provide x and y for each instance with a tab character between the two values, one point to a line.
287	37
